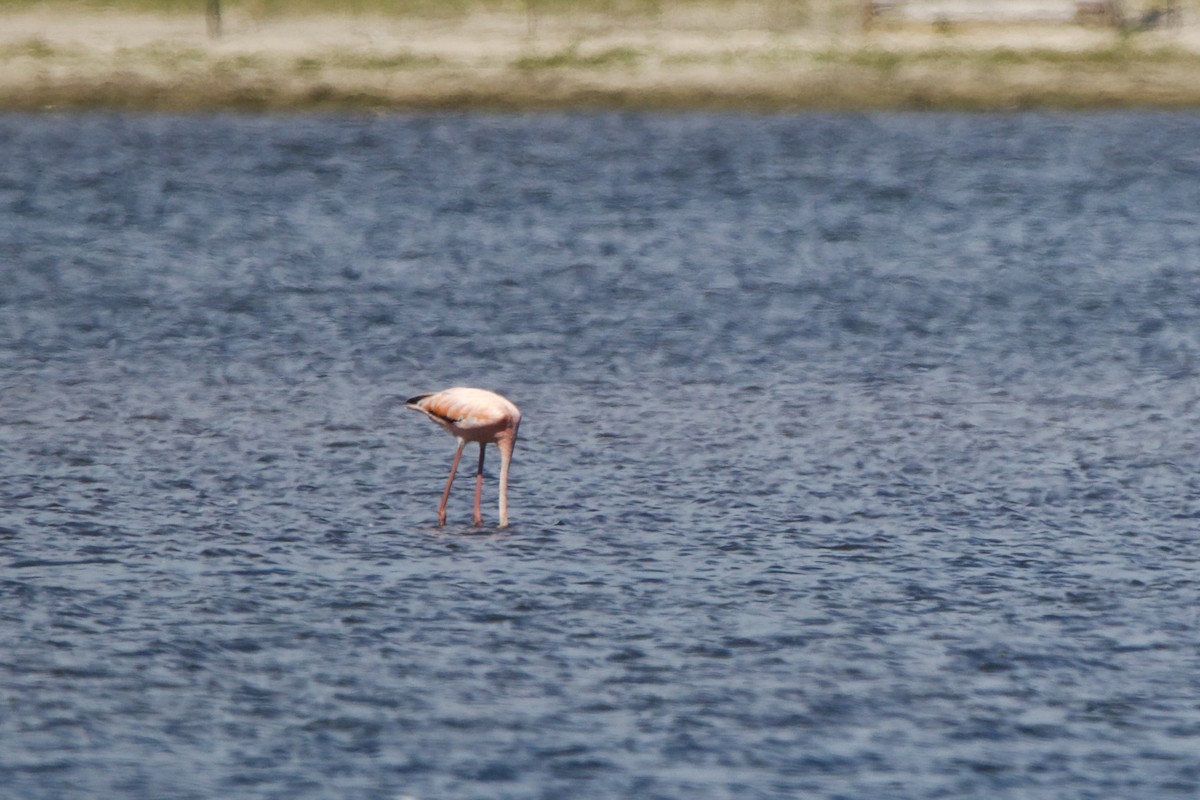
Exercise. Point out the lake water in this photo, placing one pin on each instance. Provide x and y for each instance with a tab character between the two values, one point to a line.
860	457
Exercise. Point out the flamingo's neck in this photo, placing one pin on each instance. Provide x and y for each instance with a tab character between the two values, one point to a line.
505	446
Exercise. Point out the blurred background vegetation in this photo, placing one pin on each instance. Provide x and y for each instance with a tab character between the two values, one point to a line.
824	15
792	12
416	7
610	53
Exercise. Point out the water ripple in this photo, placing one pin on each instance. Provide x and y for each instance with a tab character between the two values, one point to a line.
857	456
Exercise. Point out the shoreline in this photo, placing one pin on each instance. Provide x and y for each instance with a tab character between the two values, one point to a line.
505	62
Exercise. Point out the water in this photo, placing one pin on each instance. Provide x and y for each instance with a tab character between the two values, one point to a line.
859	457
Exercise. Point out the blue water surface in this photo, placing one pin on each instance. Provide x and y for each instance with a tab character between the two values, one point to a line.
859	456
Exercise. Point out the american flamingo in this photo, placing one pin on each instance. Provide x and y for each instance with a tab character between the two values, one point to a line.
473	415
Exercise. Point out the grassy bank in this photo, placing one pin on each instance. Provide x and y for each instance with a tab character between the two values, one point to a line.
545	54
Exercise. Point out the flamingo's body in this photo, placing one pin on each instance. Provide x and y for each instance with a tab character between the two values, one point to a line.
473	415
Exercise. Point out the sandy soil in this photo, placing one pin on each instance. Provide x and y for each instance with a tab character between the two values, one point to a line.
54	60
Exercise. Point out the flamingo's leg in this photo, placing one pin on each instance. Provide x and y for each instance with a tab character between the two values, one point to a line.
479	486
450	482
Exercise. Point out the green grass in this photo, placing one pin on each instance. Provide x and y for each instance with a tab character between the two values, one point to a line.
404	59
240	64
167	56
34	47
570	57
1119	55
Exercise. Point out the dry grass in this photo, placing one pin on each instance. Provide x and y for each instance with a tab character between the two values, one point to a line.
535	54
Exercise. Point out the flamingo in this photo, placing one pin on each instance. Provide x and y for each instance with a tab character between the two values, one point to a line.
473	415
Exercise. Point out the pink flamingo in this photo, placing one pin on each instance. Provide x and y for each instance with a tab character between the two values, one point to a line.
473	415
